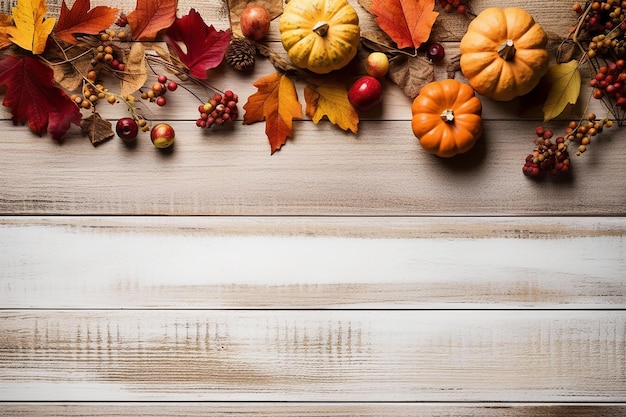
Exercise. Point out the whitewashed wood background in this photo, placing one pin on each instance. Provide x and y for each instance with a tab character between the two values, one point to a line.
344	275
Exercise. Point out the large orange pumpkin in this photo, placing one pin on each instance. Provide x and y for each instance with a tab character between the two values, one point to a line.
503	53
447	117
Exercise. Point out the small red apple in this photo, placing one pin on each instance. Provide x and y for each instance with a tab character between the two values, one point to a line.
127	129
255	22
162	135
377	64
365	94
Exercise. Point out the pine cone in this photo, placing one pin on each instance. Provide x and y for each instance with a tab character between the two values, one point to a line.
241	54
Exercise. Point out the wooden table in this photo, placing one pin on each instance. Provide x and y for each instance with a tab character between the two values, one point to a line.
343	275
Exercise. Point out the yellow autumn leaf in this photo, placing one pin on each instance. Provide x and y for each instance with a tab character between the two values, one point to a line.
564	81
31	28
331	100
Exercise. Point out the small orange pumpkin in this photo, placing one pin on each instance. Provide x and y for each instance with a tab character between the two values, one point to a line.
503	53
447	117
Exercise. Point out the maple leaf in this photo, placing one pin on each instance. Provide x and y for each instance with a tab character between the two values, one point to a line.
276	102
82	19
564	81
31	28
32	97
150	17
331	100
407	22
205	45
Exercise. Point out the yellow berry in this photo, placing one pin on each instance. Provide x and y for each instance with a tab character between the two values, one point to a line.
111	99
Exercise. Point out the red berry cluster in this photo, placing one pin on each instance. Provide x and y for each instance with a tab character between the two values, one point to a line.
220	109
449	6
549	159
610	81
602	15
159	88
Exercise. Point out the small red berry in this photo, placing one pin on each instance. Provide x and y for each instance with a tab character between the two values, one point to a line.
172	85
161	101
162	79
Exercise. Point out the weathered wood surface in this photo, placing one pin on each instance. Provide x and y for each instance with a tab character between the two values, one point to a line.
344	275
298	262
313	355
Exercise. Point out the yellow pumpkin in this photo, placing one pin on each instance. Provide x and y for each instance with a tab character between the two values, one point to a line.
503	53
320	35
447	117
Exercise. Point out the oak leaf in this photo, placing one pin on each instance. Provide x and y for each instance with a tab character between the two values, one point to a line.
205	46
150	17
31	27
81	18
32	97
135	73
407	22
564	81
97	129
276	102
330	100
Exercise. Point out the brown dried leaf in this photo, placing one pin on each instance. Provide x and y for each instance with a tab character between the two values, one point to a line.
236	7
454	66
411	74
69	69
97	129
135	74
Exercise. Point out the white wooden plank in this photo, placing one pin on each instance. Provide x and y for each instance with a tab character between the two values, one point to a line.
312	262
308	409
314	355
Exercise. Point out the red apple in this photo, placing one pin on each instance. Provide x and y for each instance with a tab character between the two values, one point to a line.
365	94
162	135
377	64
255	22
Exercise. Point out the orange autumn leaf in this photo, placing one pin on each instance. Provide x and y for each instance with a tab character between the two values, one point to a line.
5	22
331	100
150	17
81	18
407	22
31	28
276	102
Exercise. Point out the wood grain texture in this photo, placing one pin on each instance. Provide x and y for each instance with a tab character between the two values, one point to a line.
296	262
345	275
315	355
319	172
308	409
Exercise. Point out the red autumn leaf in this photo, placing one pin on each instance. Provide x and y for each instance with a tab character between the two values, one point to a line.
150	17
82	19
32	97
276	102
407	22
204	44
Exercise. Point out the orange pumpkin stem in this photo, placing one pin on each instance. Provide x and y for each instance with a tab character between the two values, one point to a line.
321	28
507	50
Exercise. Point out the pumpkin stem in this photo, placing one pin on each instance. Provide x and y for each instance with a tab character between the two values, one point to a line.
507	50
321	28
447	116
